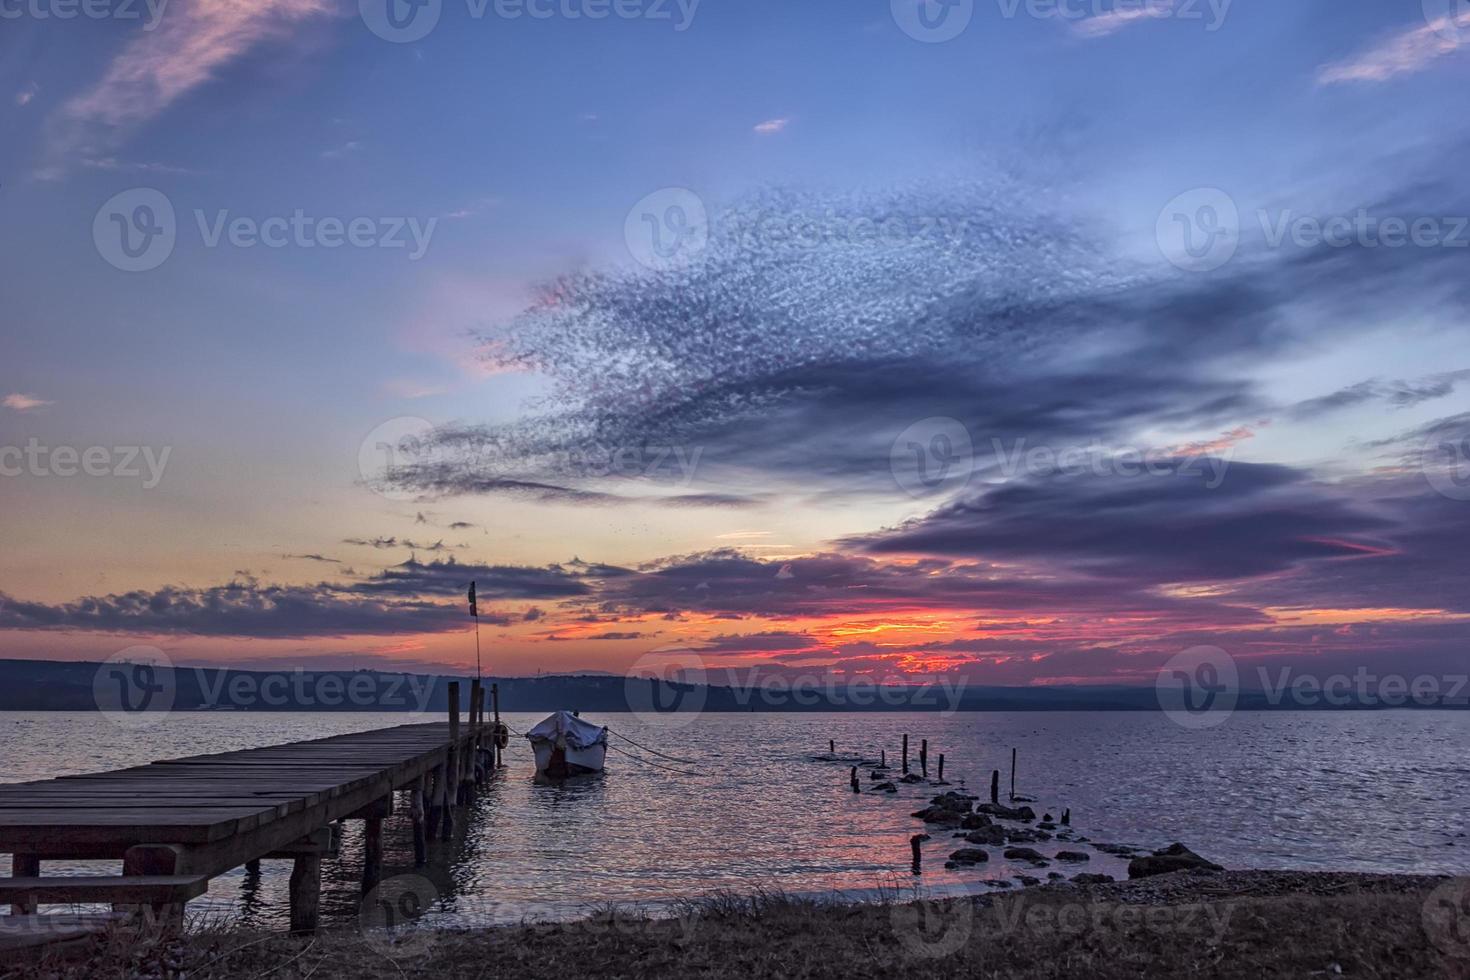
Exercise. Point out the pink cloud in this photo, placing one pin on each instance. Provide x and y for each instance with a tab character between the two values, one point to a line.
1402	54
772	125
24	403
187	48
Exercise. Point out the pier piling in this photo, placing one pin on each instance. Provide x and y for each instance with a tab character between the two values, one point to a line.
924	758
305	892
905	755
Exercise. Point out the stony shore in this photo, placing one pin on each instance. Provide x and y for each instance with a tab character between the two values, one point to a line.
1248	924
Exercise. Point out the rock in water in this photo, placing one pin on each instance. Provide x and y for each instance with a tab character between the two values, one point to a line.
1073	856
992	835
1005	812
969	855
1023	854
1175	857
1092	879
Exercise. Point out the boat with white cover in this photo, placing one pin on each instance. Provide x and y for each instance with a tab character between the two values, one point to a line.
565	745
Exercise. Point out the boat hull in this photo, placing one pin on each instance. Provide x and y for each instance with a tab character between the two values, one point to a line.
558	762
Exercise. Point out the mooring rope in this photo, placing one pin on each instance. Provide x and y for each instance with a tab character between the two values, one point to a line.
662	755
656	765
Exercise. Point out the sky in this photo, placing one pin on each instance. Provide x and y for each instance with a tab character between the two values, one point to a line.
1028	342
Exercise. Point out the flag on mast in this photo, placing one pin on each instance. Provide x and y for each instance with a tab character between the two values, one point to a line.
474	609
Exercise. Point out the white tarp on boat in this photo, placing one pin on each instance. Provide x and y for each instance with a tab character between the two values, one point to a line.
578	734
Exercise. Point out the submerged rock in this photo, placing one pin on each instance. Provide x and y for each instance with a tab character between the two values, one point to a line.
1027	880
1073	856
974	821
1022	854
1092	879
1175	857
992	835
883	788
1007	813
969	855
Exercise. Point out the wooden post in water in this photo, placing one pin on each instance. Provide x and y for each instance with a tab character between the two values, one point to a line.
431	802
914	843
495	709
882	758
995	785
1013	775
306	892
472	762
924	757
487	742
854	780
905	755
941	767
372	853
450	790
831	746
1067	817
416	812
24	866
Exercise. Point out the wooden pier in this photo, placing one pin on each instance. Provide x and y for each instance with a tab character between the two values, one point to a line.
177	823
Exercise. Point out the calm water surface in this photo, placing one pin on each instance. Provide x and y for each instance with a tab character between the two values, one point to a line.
1372	791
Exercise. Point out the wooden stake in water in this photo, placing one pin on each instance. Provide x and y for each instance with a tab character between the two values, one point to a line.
905	755
854	780
995	785
941	767
914	842
882	758
831	747
924	758
1013	775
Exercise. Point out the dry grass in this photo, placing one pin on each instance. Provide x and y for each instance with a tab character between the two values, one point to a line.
1205	926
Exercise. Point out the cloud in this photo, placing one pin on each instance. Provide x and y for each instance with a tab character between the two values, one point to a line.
188	47
27	93
1407	52
24	403
1147	528
394	542
315	557
1399	394
1104	24
770	126
789	355
243	607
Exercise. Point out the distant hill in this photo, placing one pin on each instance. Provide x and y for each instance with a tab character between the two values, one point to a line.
44	685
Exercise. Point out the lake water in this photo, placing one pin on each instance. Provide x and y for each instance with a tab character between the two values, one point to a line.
754	808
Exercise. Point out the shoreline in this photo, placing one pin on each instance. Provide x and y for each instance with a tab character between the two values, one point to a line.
1202	923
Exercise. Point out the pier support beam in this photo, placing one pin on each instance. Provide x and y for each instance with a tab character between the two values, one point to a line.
306	892
372	853
434	812
24	866
416	812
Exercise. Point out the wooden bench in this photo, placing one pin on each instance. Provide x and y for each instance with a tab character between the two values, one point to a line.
155	890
